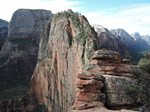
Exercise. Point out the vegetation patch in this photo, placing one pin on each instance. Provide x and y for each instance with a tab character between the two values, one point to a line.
142	88
135	92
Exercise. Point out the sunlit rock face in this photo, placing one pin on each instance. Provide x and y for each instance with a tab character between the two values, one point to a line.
72	73
66	46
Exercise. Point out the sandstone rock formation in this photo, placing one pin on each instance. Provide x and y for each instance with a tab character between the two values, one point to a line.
3	31
104	82
66	46
71	77
18	55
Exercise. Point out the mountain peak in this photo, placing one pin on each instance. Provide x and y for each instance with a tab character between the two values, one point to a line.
99	28
136	35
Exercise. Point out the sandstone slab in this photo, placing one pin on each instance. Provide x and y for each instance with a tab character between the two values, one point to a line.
116	91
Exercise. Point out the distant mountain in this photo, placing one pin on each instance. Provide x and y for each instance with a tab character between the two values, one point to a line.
136	35
123	36
146	38
140	43
109	41
121	41
133	42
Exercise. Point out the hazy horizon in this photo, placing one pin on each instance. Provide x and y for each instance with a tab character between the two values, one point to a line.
131	15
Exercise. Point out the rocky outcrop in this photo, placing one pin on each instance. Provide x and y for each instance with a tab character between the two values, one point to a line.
71	77
66	46
109	41
104	83
18	55
3	31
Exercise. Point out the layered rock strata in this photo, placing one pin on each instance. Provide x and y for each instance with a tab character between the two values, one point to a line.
104	83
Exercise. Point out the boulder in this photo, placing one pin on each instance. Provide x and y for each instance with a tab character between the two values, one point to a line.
106	55
116	91
106	81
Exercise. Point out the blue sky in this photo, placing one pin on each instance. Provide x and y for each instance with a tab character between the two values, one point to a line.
131	15
110	4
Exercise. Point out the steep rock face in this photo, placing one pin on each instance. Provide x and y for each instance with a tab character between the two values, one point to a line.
104	82
66	46
3	31
71	77
109	41
18	55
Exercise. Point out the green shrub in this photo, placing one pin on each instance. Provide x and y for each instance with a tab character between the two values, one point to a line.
142	74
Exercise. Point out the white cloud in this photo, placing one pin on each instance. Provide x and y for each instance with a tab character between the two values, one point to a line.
7	7
132	18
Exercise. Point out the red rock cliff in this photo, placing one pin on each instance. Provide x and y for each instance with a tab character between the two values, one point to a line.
71	73
65	48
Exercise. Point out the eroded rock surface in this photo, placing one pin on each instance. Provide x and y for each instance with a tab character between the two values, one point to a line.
67	45
18	55
104	82
70	76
